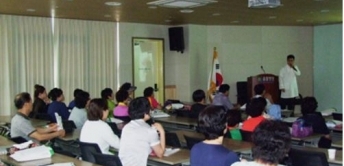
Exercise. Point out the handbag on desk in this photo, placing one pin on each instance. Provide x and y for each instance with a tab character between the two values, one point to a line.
301	129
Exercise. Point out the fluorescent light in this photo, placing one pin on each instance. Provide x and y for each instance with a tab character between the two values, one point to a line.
181	3
272	17
324	11
234	22
216	14
113	3
299	20
107	15
186	11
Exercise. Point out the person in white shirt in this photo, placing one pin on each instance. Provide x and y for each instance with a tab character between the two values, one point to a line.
139	139
271	142
79	113
96	130
288	84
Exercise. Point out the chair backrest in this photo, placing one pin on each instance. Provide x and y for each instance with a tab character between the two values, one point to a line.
43	116
246	135
107	160
18	140
337	116
68	126
191	141
115	128
87	150
172	140
182	113
5	131
307	158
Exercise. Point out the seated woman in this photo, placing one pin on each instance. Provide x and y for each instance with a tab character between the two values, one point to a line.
271	142
313	118
57	105
149	93
254	109
121	110
41	102
107	94
234	118
79	113
198	97
95	130
212	123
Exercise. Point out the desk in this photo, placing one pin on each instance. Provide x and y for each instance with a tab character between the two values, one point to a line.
34	122
178	158
234	145
338	158
338	144
311	137
56	158
178	123
182	156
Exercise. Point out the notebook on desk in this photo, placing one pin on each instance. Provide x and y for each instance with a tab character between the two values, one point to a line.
159	114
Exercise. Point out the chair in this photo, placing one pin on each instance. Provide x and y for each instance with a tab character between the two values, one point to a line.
43	116
182	113
307	158
107	160
191	141
337	116
246	135
18	140
68	126
172	140
115	128
72	147
87	150
5	131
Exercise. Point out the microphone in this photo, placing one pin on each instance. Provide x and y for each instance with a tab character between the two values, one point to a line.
261	67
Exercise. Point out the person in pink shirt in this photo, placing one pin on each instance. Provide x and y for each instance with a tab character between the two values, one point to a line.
149	93
121	110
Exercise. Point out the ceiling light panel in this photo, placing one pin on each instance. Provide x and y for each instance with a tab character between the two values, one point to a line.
181	3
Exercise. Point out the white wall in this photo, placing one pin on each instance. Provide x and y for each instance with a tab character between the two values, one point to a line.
328	56
242	50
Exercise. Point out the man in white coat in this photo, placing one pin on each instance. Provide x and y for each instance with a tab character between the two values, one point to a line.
288	84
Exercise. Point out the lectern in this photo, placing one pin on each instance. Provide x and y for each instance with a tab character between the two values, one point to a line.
270	82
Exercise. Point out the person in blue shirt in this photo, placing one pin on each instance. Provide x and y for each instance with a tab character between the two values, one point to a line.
57	105
212	123
71	105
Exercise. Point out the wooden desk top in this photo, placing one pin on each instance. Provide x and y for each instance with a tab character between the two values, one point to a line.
178	120
34	122
311	137
338	158
183	155
56	158
234	145
338	144
180	157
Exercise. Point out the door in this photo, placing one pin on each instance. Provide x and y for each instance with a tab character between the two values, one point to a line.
148	67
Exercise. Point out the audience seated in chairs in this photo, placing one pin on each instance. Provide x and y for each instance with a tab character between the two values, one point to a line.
121	110
310	116
271	142
95	130
212	123
198	97
21	125
255	109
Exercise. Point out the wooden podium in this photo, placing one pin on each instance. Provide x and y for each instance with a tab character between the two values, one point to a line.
270	82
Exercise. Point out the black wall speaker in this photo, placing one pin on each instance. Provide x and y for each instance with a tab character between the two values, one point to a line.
176	38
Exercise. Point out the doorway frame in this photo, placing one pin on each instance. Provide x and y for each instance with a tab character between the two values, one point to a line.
163	63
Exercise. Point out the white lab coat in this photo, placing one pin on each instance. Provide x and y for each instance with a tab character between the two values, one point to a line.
287	81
